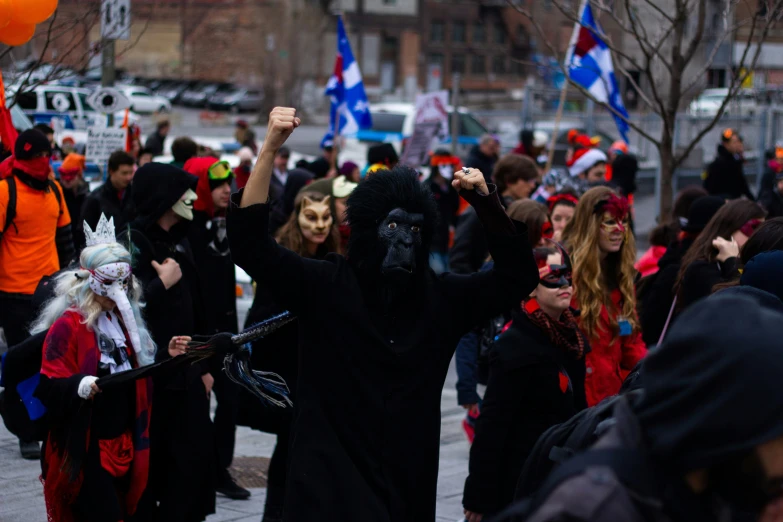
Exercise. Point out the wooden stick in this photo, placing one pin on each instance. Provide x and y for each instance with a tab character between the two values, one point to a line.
556	129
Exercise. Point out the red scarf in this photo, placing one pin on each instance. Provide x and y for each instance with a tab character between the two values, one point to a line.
38	168
564	334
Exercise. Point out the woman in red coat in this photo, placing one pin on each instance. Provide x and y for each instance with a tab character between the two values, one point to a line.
603	253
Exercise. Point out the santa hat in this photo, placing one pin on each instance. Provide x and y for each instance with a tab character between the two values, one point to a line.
585	159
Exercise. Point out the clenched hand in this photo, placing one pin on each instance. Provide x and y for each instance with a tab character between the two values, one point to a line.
282	122
473	179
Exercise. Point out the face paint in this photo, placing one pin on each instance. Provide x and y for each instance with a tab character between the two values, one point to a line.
113	281
184	207
315	220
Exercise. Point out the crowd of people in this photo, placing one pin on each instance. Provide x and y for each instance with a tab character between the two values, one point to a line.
529	277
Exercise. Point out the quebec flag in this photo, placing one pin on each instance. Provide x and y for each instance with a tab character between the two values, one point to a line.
589	64
350	110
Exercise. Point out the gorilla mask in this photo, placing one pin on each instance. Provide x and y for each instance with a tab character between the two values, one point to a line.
400	234
392	217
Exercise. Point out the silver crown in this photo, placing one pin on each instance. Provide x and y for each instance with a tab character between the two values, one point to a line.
103	233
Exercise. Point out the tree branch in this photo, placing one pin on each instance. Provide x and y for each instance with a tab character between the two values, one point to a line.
581	89
737	80
694	45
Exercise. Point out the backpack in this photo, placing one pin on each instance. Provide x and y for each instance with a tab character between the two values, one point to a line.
563	441
10	211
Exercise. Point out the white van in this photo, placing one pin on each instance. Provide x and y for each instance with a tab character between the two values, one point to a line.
45	102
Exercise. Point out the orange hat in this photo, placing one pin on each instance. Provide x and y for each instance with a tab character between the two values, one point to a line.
72	166
620	146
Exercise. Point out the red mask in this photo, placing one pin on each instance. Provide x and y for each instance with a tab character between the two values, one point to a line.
36	167
750	227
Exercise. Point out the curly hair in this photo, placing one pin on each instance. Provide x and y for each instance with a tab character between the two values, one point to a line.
290	234
371	202
594	280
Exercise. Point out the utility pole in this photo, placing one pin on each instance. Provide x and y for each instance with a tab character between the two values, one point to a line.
455	78
108	72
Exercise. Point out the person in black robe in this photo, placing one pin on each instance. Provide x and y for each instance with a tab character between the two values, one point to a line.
182	468
366	427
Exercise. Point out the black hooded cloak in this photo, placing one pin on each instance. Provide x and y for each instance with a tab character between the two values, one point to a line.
367	411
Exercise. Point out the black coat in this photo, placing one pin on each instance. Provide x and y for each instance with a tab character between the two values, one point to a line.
75	202
366	430
215	273
478	160
155	143
726	177
105	200
448	206
656	300
772	201
701	277
532	386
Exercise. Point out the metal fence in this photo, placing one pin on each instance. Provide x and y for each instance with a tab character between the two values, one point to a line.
760	130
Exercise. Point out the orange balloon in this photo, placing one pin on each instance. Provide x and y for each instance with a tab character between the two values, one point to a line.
32	11
16	34
5	12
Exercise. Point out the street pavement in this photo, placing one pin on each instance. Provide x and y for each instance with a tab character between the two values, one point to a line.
21	494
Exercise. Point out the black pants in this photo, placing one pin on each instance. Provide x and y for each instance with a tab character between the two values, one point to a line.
227	394
16	314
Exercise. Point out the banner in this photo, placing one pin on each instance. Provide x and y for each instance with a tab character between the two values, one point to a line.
432	121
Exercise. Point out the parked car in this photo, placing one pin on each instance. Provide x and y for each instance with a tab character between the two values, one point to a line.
68	103
393	123
143	101
173	92
710	100
198	95
237	100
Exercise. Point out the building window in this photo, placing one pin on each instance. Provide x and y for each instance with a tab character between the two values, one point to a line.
499	65
458	63
435	59
479	33
521	34
437	31
389	2
478	64
458	32
500	33
517	69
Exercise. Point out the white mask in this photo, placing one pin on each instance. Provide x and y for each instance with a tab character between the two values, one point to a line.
184	207
113	281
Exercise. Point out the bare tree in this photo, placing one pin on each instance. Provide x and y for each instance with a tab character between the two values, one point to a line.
664	41
68	32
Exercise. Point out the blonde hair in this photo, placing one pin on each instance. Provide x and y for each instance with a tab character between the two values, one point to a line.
594	280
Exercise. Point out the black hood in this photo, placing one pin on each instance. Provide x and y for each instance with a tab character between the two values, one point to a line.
712	389
157	187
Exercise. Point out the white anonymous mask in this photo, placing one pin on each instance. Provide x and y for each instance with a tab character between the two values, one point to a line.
113	281
184	207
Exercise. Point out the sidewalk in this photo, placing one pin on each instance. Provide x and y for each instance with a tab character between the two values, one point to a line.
21	494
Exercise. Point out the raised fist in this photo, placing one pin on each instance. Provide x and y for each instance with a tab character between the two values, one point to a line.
470	179
282	122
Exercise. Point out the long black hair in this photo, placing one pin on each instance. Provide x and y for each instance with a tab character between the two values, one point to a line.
371	202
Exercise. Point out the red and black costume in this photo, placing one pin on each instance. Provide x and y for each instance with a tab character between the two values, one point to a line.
96	458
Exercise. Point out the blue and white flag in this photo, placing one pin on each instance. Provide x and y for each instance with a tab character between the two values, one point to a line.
589	64
350	110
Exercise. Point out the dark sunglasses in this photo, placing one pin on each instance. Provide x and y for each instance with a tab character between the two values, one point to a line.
558	277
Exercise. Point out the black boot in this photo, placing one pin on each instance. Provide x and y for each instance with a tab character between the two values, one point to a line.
229	488
30	450
272	514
